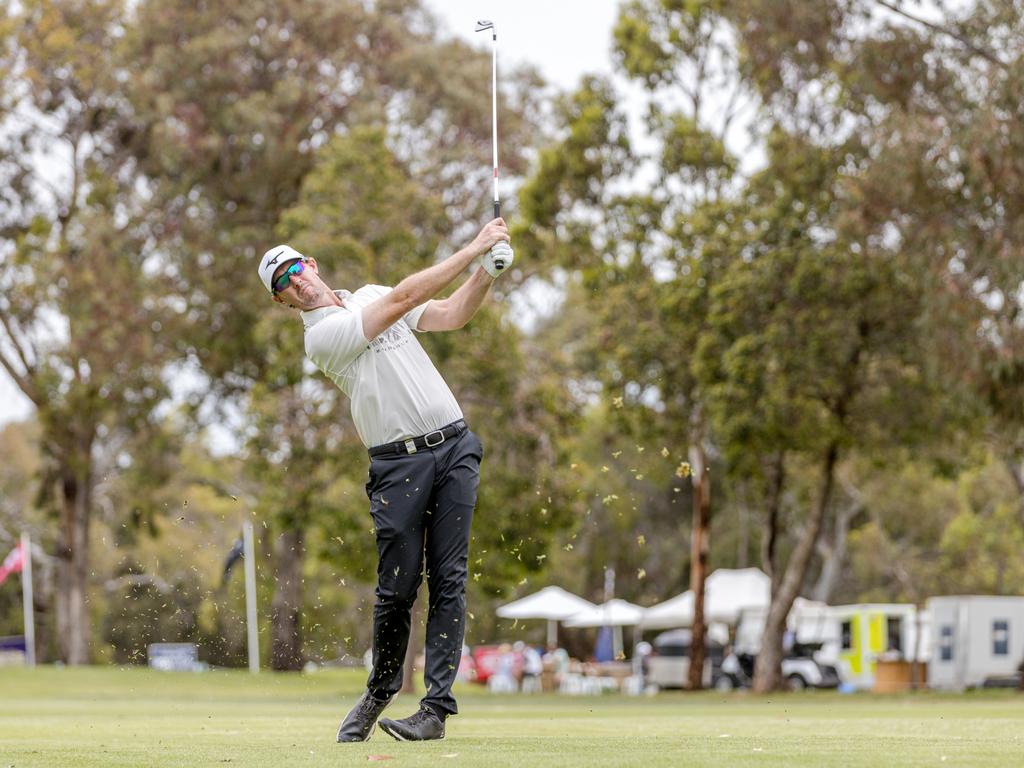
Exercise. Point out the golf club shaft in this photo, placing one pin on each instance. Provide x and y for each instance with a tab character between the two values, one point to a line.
481	26
494	116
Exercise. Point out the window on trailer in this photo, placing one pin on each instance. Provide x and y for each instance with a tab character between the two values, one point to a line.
846	630
946	643
894	633
1001	637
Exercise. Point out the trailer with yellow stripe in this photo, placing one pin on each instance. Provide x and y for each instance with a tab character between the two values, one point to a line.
861	634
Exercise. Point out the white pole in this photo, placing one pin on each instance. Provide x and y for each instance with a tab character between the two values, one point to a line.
552	633
26	599
250	597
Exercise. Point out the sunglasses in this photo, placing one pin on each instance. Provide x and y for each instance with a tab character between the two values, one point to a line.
295	268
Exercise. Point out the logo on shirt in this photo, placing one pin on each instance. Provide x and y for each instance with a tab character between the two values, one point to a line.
390	339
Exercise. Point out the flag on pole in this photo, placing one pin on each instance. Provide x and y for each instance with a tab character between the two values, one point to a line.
13	563
236	554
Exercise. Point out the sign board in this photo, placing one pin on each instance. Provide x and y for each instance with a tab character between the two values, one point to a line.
12	651
173	657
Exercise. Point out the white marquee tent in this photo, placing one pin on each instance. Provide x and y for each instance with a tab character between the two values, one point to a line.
727	594
615	613
674	612
551	603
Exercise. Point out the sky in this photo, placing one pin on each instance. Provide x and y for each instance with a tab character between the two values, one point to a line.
14	406
564	40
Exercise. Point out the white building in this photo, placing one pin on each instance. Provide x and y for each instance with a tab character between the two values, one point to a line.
975	639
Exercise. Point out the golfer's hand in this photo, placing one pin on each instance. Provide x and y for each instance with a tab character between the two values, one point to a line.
494	232
498	259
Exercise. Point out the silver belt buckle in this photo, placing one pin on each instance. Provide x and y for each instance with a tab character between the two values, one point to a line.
410	445
426	438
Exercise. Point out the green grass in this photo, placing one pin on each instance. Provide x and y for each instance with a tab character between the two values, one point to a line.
134	717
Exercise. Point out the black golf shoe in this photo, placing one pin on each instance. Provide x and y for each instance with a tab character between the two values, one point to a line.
358	724
422	726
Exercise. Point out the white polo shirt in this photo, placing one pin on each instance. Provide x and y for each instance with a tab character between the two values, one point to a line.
395	390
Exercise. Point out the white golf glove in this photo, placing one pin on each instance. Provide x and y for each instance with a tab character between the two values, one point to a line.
498	259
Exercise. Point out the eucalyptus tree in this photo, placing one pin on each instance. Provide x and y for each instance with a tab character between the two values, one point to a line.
933	104
85	324
629	224
813	351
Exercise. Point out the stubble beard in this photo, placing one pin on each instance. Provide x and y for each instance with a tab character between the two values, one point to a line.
309	294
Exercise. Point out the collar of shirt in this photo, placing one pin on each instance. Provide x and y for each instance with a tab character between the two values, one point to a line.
314	316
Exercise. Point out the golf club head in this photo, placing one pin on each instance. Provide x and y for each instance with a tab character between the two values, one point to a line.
484	25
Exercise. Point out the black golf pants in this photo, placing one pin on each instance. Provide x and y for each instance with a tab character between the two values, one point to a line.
422	507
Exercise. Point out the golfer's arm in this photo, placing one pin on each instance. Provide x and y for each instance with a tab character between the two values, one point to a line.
457	310
413	291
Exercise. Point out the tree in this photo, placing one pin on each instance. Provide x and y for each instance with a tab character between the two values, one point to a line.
884	86
82	333
648	284
813	349
935	100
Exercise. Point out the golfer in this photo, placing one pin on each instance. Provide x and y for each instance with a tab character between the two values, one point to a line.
424	460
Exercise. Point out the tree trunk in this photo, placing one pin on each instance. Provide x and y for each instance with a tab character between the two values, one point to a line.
769	546
833	555
286	606
73	561
768	668
1016	468
743	536
699	542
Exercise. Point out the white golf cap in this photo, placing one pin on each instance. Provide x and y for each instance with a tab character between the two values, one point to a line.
272	259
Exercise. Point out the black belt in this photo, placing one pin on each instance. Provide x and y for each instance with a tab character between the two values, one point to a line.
413	444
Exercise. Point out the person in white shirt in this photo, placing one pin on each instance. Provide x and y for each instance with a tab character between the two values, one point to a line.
424	461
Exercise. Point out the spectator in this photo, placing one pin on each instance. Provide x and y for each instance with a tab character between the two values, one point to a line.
556	666
641	652
533	666
504	678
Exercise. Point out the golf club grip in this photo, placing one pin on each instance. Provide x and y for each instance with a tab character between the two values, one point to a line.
498	262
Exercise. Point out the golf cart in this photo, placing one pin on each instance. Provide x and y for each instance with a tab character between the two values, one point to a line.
800	670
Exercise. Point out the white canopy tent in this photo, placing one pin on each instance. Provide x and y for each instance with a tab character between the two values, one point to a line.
551	603
674	612
727	594
615	613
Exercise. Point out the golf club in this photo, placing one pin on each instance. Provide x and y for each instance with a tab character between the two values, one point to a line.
482	26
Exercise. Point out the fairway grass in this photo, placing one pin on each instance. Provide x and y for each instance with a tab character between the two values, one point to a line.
135	717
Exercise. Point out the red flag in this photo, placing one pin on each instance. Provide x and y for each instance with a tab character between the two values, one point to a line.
13	563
